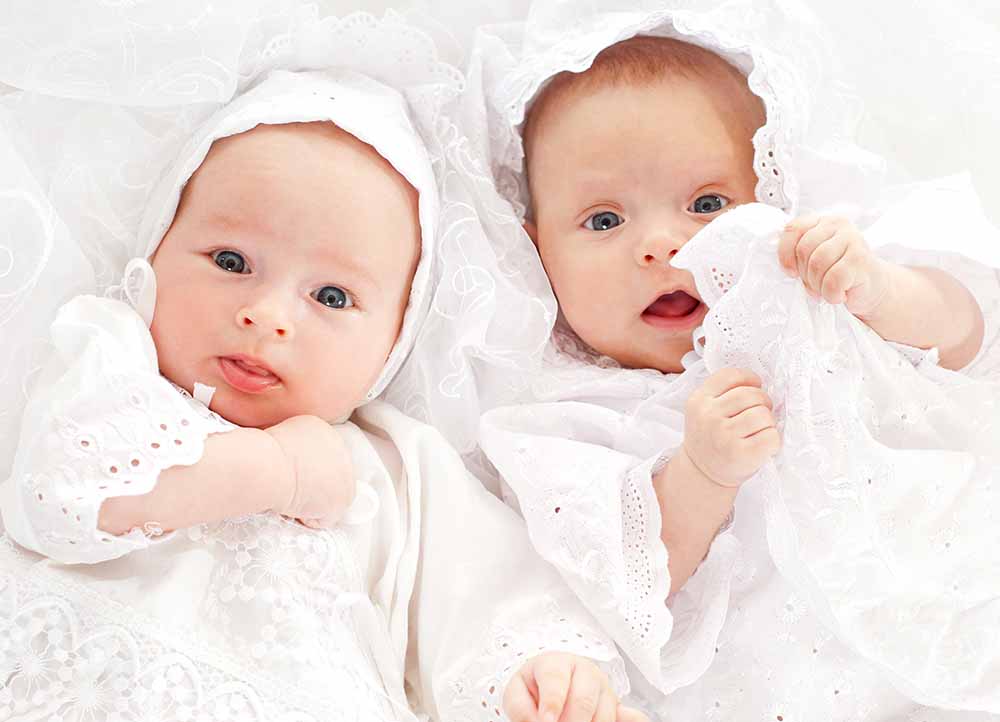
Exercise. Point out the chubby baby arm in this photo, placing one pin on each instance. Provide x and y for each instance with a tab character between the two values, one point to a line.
729	434
300	468
102	429
561	687
921	307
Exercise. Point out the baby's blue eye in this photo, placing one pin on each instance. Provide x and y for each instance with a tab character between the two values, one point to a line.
333	297
230	261
708	204
604	221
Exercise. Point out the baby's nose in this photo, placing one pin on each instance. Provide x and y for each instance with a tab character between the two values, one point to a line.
651	257
265	320
658	248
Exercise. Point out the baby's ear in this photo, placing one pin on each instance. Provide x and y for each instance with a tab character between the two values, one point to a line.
532	230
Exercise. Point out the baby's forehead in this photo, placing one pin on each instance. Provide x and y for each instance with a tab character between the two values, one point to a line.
283	140
297	152
643	64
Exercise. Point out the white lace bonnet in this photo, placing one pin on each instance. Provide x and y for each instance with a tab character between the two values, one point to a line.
775	43
87	132
90	141
372	112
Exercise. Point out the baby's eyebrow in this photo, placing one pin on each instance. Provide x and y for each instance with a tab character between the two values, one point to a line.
588	184
354	269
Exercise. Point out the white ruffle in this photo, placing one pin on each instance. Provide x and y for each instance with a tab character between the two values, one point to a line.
578	464
256	617
881	506
778	46
103	423
120	117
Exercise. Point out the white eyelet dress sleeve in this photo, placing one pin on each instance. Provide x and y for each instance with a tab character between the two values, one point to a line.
101	423
579	468
483	602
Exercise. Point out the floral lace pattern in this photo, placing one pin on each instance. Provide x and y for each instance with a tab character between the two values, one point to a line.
732	31
112	440
68	649
508	646
896	462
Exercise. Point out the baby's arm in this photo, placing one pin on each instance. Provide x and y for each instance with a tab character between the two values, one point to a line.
300	468
921	307
102	429
729	432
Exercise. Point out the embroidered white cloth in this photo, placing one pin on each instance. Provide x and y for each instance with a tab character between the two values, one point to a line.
869	573
433	602
255	618
739	641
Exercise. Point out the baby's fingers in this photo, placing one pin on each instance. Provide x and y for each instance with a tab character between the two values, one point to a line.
790	239
585	695
765	443
737	400
840	279
519	703
553	675
808	245
607	708
827	256
727	379
752	421
630	714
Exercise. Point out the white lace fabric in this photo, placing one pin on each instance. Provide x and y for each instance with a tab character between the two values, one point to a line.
744	639
778	47
104	423
881	506
74	206
258	617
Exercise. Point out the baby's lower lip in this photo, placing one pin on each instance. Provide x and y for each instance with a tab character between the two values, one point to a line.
241	378
677	323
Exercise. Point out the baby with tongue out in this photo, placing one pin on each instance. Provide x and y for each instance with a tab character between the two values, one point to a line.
181	433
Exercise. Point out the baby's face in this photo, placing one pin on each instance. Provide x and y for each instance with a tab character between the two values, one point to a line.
622	177
285	275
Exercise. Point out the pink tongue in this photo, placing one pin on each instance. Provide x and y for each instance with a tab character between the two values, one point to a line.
673	305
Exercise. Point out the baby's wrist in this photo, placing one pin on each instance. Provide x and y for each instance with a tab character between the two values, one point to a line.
887	283
691	469
281	479
682	481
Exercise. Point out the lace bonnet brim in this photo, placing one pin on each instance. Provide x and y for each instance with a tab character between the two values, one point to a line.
96	110
372	112
776	44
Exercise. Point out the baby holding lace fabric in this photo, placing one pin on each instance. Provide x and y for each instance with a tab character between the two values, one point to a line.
179	431
687	375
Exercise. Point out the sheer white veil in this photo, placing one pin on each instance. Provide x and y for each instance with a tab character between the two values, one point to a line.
100	100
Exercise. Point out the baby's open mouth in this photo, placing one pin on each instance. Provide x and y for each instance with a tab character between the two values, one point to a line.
677	312
672	305
244	374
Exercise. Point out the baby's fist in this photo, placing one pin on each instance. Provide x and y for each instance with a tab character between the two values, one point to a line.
560	687
729	428
319	484
834	262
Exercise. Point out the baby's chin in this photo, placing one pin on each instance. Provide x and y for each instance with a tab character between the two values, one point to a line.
665	358
666	364
248	415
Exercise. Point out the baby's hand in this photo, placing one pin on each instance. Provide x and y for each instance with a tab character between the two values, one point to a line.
560	687
320	483
729	430
834	262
